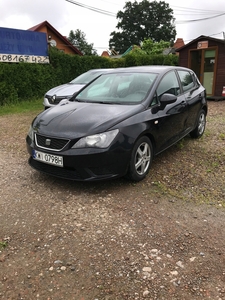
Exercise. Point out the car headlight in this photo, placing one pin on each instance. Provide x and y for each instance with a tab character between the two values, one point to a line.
31	133
101	140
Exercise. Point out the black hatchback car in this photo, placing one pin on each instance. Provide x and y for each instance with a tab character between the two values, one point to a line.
116	124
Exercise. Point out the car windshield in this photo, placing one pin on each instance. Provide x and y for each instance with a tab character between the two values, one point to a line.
118	88
85	77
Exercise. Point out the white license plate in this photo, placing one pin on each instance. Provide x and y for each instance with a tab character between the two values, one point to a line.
48	158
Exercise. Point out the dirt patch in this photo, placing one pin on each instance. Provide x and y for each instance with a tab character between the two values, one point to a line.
162	238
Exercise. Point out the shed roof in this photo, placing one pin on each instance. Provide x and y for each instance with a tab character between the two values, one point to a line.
200	38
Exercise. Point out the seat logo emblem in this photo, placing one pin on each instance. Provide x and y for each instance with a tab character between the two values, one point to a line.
47	142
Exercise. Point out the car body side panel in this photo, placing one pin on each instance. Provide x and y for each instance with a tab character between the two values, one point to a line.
171	123
195	101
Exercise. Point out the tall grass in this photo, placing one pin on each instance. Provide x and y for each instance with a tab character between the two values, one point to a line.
22	107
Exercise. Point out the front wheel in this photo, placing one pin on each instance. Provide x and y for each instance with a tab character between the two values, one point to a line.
141	159
200	128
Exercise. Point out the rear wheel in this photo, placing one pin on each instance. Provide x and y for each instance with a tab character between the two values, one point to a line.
200	128
141	159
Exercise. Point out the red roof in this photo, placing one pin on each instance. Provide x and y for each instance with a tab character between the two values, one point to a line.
105	54
64	39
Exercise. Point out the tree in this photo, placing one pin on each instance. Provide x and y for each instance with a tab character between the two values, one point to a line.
151	48
78	39
144	20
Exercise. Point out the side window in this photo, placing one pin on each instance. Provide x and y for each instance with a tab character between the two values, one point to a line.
187	80
169	84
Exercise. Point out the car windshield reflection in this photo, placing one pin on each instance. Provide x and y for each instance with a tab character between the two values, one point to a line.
85	78
122	88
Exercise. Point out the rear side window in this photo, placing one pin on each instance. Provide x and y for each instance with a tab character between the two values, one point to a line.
187	80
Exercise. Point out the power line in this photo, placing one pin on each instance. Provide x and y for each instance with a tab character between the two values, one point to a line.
197	20
186	41
108	13
101	11
195	9
194	13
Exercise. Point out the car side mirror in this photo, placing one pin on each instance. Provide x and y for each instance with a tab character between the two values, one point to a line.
167	99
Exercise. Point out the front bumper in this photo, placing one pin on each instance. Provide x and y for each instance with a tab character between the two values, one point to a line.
86	165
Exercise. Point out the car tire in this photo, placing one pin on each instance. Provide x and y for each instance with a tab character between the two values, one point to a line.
201	123
141	159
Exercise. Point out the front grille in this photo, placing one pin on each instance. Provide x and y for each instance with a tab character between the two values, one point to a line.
55	100
55	171
50	143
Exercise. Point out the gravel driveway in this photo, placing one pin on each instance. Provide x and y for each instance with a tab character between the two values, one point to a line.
162	238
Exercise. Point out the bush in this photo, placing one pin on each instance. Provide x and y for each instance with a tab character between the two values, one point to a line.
25	81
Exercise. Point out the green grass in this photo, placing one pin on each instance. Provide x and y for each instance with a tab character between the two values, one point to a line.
22	107
3	245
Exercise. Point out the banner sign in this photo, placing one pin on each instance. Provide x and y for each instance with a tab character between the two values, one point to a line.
23	46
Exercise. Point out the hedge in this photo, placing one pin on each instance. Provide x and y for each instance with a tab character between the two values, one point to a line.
25	81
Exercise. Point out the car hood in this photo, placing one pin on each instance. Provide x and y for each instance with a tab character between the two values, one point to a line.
75	119
67	89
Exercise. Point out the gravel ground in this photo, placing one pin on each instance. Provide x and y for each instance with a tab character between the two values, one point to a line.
162	238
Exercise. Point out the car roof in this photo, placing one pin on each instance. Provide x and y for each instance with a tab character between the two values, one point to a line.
100	70
152	69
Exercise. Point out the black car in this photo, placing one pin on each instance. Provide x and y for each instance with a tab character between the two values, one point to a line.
116	124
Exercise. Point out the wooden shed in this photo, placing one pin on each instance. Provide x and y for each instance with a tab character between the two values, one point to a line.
206	57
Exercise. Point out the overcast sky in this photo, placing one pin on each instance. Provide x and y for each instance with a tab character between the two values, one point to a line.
65	16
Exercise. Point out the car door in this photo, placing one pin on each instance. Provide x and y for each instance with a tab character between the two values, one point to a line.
171	119
193	95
